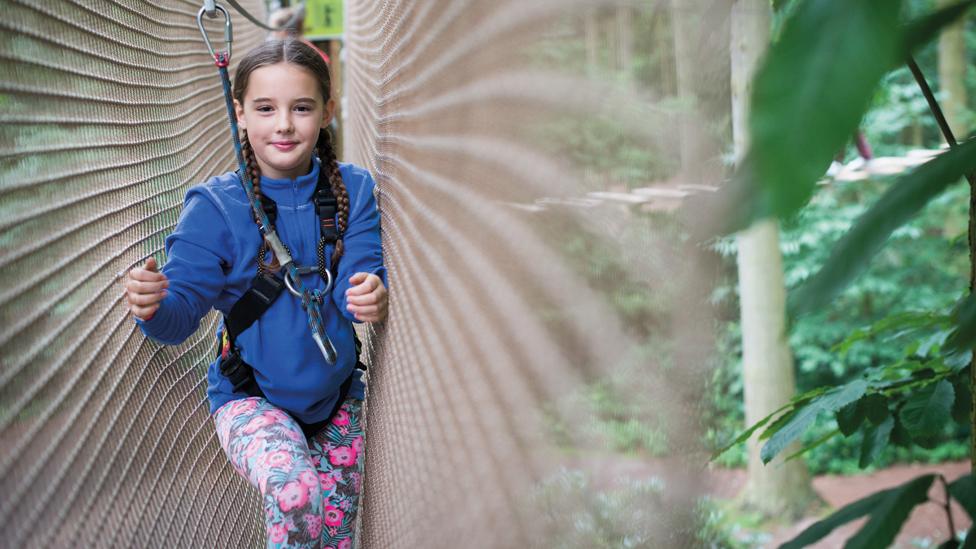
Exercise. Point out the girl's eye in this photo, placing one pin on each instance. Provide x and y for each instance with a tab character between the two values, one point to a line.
303	108
264	108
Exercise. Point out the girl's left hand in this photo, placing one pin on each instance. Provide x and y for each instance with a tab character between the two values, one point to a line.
366	299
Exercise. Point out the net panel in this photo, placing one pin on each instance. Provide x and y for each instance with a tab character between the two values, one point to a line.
499	328
495	330
111	111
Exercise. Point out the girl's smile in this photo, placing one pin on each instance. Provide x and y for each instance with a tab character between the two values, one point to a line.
283	112
284	146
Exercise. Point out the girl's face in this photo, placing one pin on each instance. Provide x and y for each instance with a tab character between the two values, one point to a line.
283	111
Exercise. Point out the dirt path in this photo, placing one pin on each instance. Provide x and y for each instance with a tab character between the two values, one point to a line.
927	522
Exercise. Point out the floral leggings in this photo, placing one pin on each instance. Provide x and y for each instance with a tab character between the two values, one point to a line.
310	487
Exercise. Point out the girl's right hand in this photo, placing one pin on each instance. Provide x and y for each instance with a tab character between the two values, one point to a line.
144	289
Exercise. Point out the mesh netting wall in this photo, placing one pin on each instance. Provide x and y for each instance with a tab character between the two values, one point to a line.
462	110
498	325
110	111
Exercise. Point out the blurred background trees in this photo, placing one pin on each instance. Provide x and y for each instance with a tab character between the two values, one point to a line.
892	318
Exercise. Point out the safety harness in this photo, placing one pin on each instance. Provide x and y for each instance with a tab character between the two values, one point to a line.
264	290
267	286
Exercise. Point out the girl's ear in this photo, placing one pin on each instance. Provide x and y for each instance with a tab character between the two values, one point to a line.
328	112
239	110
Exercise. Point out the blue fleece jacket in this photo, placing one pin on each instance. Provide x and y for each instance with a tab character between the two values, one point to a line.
212	258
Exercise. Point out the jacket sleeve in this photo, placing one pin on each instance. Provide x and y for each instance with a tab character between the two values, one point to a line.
198	255
362	241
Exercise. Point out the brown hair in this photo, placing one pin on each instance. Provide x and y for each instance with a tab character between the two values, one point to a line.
297	53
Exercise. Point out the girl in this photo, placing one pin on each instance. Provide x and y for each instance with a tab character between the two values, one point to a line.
273	396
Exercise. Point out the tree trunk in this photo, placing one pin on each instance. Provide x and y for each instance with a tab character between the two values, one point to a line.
686	23
952	74
591	37
781	489
625	42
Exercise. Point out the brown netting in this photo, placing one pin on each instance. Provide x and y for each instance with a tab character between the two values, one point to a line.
496	325
111	110
503	311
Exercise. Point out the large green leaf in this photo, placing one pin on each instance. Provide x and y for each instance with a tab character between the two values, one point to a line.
905	197
812	91
808	98
963	400
803	417
891	513
928	409
850	417
875	440
875	408
926	28
964	490
888	509
963	337
795	402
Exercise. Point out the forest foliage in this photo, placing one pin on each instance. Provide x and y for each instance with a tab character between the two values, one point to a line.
821	75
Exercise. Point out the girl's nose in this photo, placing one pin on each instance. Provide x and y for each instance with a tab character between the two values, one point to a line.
283	123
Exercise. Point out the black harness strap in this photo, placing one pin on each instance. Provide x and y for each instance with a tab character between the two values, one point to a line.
265	288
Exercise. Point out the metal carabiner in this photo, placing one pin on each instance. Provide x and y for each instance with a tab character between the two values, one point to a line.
304	271
228	32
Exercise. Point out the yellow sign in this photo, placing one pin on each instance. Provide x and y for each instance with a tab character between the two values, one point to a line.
323	19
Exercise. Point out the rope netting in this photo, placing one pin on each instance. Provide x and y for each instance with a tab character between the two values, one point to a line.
111	110
480	382
462	112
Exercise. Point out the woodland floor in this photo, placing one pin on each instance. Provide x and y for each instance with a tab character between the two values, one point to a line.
926	527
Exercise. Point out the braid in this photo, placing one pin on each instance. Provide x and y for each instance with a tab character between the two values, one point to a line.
328	160
254	171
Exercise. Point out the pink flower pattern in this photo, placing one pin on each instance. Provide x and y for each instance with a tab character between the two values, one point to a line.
333	516
341	418
293	496
312	484
343	455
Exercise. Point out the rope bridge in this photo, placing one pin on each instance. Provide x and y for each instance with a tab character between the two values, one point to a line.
112	110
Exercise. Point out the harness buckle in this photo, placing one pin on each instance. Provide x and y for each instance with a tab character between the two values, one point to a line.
266	287
236	371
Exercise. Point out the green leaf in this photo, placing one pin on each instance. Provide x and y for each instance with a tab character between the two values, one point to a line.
900	435
927	410
896	501
964	490
899	321
963	337
905	198
875	440
850	417
796	401
963	400
924	29
811	92
891	513
744	436
814	444
829	402
875	408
